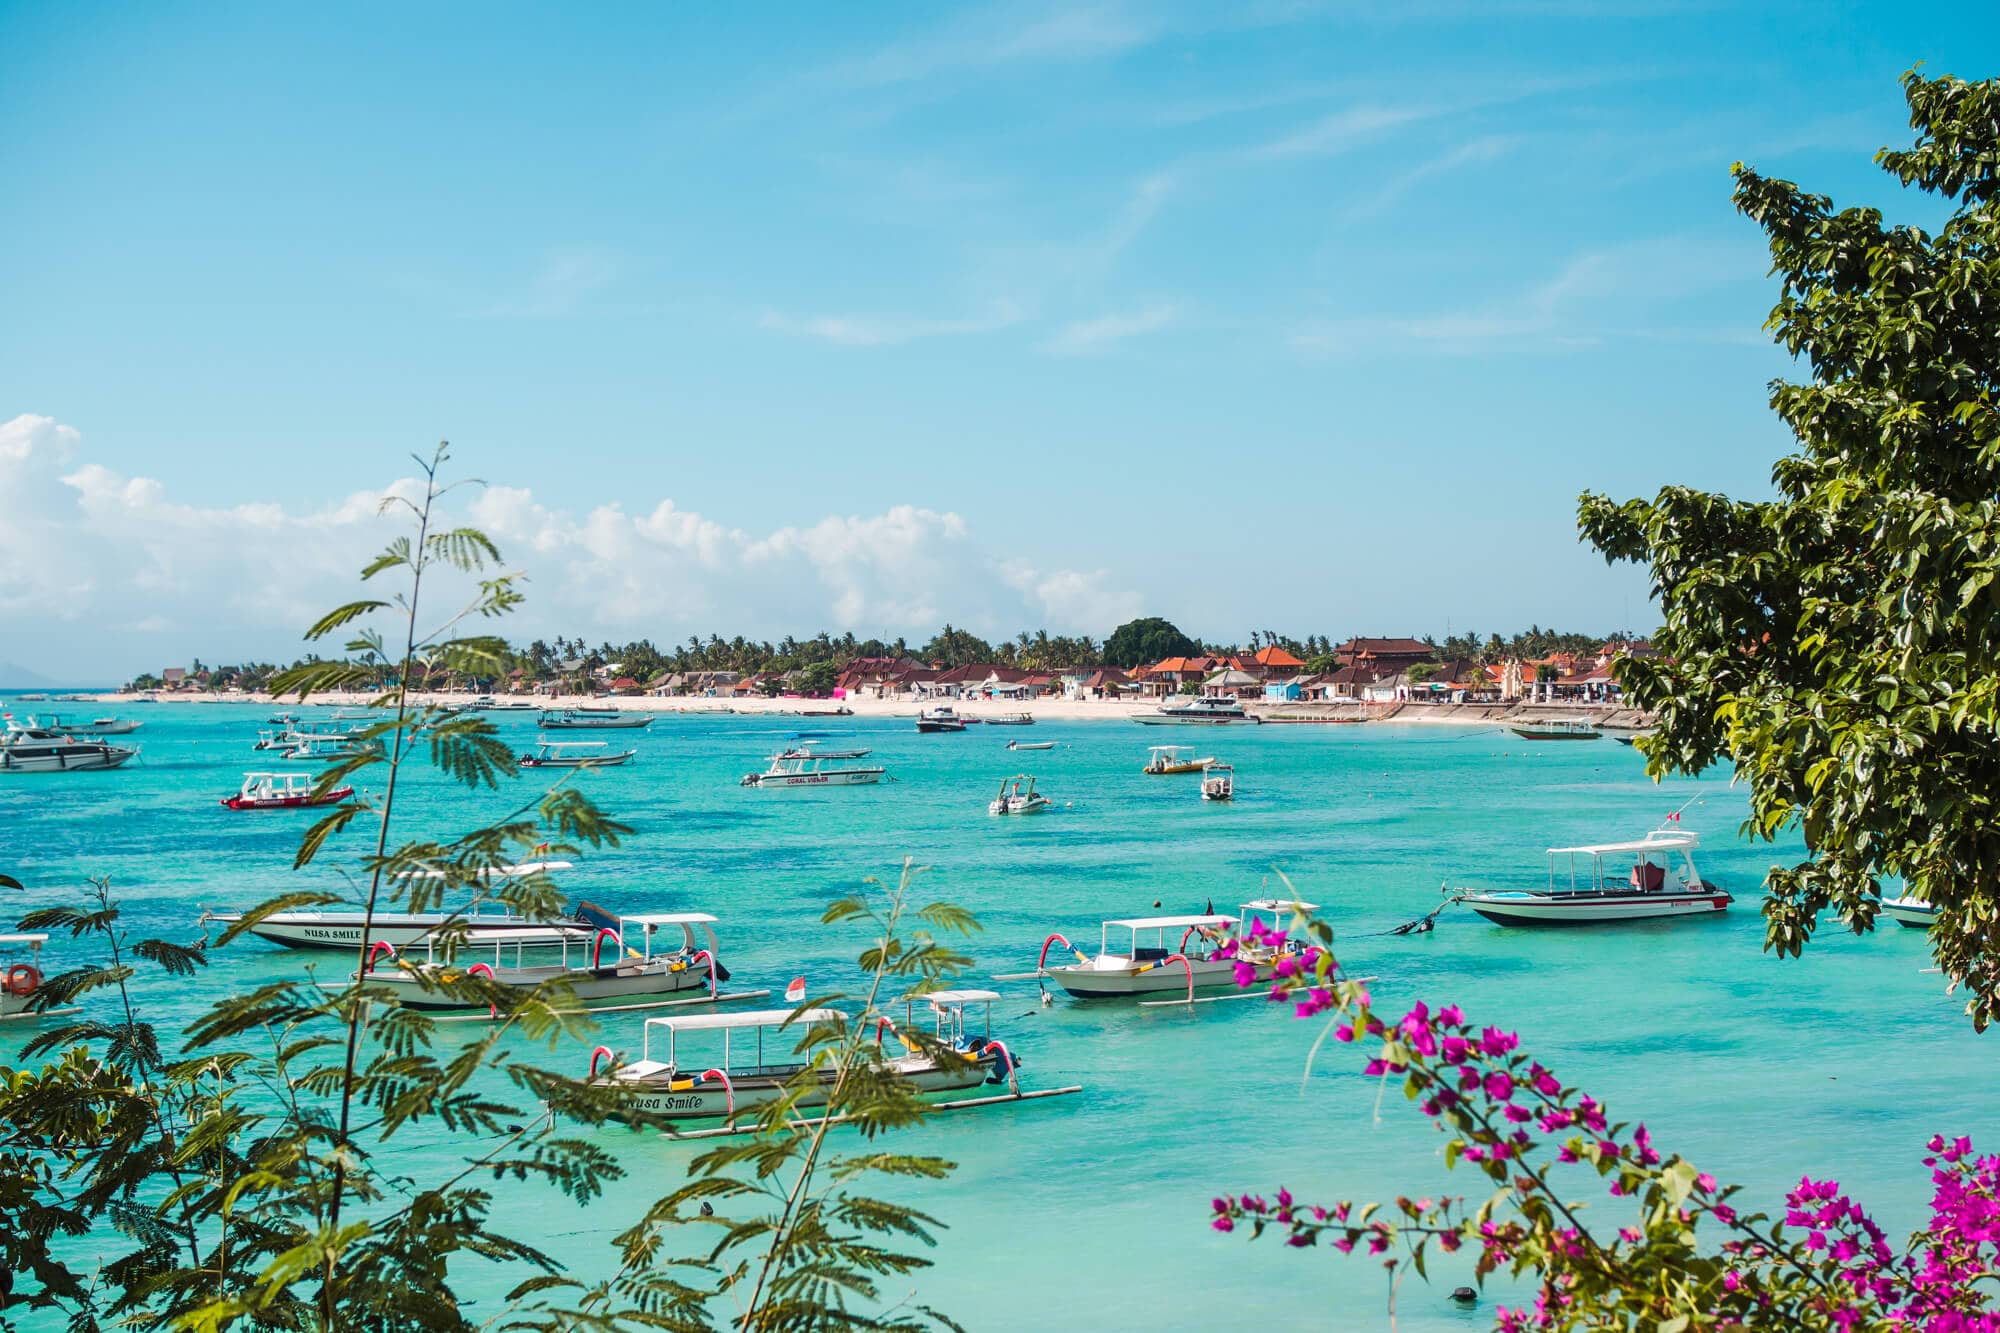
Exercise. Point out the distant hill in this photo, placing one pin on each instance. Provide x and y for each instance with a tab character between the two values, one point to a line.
14	676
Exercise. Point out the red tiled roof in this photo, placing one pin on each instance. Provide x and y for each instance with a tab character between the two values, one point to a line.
1271	655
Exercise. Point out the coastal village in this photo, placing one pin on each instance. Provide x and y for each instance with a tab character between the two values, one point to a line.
1364	673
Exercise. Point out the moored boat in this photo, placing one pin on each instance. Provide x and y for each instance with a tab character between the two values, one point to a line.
1009	720
101	726
1662	882
1910	911
638	968
792	769
575	754
1558	729
21	978
814	752
26	749
283	791
943	717
1018	797
1205	710
1131	965
1218	783
761	1053
593	719
1170	759
332	749
483	922
1031	745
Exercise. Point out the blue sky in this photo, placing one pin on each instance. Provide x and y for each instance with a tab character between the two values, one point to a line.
1287	316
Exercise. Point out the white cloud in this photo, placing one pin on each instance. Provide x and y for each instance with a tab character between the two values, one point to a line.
1092	335
109	565
1341	131
888	330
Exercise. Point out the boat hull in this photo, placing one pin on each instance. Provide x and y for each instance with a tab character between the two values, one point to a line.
683	1099
1088	983
1911	912
591	986
1537	734
930	728
853	777
1160	720
607	724
1544	909
298	930
92	761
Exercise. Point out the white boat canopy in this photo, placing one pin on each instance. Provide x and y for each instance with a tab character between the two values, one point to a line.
37	940
669	918
1279	905
498	872
756	1018
945	999
1170	922
1652	842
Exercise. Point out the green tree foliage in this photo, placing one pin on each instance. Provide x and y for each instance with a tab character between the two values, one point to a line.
1145	641
1840	644
956	647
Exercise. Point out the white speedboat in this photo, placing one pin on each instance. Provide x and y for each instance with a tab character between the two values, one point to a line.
38	750
1133	965
575	754
1205	710
1908	911
484	922
637	968
941	718
792	770
594	719
1031	745
1218	783
1615	881
761	1054
1018	797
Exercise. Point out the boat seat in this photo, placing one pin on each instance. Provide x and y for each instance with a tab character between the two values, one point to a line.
1646	877
640	1069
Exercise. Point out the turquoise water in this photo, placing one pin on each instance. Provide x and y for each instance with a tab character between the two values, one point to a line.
1094	1208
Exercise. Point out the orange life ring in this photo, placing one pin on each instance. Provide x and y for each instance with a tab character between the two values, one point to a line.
22	980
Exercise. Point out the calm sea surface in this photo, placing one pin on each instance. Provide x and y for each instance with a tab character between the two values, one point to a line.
1093	1209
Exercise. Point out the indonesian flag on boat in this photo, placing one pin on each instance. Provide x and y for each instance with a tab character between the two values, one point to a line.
796	992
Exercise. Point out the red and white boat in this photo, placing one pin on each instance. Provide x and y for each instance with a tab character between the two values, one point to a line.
284	791
1650	878
1184	953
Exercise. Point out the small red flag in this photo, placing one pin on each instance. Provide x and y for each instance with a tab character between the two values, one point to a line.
796	992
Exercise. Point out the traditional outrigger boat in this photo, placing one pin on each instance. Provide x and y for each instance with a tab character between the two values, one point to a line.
333	749
1909	911
483	921
1558	729
1141	968
1580	892
575	754
791	770
639	972
1017	799
941	718
593	719
1218	783
21	978
283	791
25	749
746	1079
1168	759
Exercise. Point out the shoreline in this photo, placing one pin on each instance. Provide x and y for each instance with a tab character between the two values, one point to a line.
1615	716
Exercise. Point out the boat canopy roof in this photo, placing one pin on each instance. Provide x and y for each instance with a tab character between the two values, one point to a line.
755	1018
1279	905
668	918
1169	922
572	745
283	776
945	999
1652	842
38	939
1169	749
500	872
